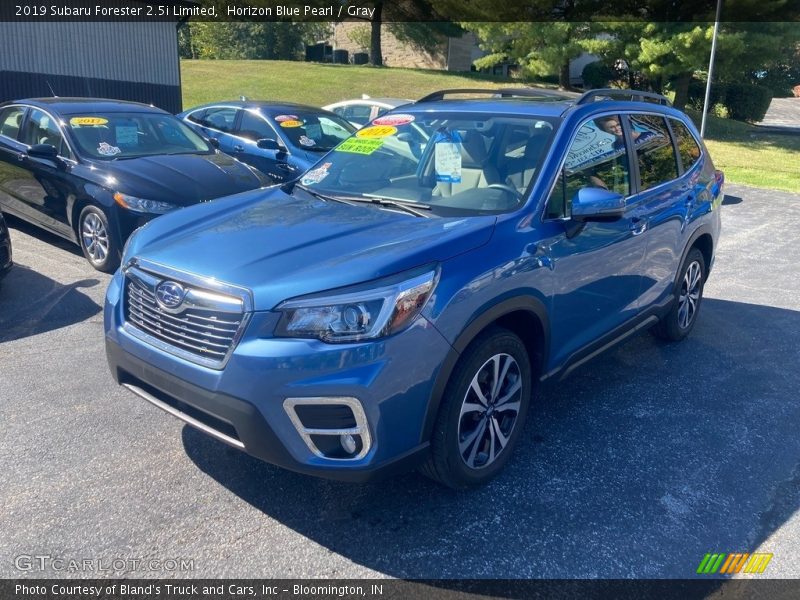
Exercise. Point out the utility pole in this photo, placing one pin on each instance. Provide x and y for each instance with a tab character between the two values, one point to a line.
710	70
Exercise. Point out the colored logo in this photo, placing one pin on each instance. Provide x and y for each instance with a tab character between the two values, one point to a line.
170	294
729	564
393	120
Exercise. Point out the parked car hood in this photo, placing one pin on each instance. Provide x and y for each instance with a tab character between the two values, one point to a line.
181	179
281	246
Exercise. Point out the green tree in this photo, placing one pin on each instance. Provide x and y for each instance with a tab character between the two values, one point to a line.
539	49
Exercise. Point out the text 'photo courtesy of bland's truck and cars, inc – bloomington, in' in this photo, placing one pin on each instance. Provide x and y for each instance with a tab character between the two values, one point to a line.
384	327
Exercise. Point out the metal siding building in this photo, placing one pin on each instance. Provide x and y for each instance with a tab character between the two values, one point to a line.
121	60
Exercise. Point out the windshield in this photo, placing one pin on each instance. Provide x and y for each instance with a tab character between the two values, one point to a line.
459	163
312	131
120	135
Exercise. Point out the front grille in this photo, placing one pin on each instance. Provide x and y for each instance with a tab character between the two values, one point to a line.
204	327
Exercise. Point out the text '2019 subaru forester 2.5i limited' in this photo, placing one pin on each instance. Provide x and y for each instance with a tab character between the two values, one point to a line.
397	304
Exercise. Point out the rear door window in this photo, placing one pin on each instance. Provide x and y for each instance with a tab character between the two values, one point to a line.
655	152
688	148
221	118
11	121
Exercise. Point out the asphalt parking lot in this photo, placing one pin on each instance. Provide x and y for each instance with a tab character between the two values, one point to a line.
635	466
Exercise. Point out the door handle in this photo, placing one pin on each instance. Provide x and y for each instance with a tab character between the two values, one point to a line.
638	226
238	148
22	156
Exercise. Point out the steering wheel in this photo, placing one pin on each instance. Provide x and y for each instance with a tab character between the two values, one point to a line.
507	188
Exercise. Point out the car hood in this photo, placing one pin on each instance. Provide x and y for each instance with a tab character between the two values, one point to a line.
181	179
281	246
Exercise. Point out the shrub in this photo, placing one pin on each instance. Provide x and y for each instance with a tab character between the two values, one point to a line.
747	102
597	75
697	94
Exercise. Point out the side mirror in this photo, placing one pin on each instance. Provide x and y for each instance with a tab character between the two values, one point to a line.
43	151
269	144
214	142
597	204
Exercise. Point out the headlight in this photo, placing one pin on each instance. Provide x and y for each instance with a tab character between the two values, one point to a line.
357	315
142	205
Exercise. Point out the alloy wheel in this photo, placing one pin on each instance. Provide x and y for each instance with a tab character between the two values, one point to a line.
489	411
689	298
95	238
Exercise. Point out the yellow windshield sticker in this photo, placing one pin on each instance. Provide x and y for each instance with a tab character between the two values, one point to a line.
359	145
88	121
291	123
376	131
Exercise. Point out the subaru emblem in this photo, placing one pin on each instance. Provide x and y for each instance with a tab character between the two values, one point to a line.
170	294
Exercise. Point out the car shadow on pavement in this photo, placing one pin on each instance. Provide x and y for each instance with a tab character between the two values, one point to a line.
31	303
636	466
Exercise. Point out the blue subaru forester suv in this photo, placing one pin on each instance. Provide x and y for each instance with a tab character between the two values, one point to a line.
397	305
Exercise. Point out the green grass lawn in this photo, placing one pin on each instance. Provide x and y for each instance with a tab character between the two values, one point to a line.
746	155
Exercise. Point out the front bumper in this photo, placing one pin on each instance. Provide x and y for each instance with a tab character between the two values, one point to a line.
243	404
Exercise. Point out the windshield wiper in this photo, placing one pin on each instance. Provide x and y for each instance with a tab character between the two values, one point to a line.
409	207
324	197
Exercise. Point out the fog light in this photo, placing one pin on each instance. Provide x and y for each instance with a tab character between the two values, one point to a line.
348	442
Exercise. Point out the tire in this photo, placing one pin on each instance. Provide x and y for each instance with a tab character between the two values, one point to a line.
680	320
468	430
96	240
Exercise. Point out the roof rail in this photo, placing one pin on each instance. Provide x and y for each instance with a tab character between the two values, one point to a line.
611	94
499	92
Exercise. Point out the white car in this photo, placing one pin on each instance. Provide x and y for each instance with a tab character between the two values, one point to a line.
363	110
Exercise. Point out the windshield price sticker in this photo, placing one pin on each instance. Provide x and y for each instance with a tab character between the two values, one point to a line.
376	131
282	118
314	130
291	123
127	135
394	120
448	162
88	121
359	145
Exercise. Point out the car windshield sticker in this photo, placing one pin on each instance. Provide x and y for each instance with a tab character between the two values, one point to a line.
282	118
447	162
307	141
106	149
291	123
314	130
127	135
359	145
592	146
88	121
316	175
394	120
376	131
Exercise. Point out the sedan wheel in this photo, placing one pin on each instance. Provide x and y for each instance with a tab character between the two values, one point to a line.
96	240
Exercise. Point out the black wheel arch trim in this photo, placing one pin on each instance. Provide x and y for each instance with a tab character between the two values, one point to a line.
507	306
696	235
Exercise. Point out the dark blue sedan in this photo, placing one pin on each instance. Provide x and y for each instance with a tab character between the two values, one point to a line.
282	140
93	170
